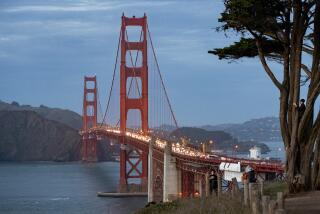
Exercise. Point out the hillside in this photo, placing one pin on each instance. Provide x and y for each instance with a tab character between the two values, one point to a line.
222	140
64	116
262	129
27	136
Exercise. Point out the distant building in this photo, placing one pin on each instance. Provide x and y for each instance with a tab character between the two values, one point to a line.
231	170
255	152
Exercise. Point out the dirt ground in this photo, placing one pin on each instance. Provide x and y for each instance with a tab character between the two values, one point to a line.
306	203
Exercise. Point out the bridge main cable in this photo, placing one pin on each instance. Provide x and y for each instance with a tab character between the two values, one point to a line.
113	78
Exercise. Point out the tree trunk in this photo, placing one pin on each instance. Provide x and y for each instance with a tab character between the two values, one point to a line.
294	178
315	174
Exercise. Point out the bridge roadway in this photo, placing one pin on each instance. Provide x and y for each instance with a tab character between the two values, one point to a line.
185	154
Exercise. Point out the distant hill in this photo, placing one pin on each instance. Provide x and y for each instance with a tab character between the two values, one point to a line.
30	133
25	135
262	129
222	140
64	116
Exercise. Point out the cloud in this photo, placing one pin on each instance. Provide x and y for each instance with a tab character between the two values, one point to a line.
34	29
85	6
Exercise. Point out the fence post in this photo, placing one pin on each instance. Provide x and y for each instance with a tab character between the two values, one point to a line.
246	192
271	207
207	184
280	200
254	207
265	204
235	184
251	185
255	203
261	185
219	185
235	188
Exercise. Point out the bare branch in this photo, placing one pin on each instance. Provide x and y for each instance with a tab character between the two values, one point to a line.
306	70
266	67
307	50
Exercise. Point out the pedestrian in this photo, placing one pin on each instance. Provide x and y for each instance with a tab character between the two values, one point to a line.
301	109
213	182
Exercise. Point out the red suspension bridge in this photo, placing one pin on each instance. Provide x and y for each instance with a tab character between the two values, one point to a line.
138	120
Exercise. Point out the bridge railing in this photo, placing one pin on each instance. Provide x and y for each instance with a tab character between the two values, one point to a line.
178	148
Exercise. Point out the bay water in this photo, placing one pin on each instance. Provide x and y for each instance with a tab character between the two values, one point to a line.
52	187
49	187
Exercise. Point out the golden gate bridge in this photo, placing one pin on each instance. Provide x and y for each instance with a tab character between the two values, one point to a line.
137	115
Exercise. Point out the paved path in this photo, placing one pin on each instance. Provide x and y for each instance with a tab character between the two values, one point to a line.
306	203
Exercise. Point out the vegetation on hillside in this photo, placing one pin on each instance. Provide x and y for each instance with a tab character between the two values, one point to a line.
64	116
221	140
208	205
261	129
28	136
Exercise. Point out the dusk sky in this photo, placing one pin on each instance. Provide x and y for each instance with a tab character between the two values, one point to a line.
46	47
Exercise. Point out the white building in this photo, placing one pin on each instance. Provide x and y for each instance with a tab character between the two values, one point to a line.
255	152
231	170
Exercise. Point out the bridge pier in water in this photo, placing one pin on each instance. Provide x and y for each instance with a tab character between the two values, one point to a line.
130	161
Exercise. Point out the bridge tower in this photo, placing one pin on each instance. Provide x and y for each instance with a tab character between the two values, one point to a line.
89	119
126	103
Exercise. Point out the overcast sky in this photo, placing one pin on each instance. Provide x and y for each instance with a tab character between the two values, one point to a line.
46	47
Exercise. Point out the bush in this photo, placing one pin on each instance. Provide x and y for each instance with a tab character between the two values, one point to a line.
224	204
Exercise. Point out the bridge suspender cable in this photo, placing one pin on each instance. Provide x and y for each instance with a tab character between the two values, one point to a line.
158	69
100	106
112	83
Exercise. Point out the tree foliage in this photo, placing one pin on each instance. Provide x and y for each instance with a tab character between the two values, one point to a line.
247	47
284	30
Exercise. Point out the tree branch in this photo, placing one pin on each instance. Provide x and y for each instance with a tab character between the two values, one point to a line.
266	67
306	70
307	50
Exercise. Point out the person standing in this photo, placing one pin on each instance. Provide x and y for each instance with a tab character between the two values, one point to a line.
213	179
301	109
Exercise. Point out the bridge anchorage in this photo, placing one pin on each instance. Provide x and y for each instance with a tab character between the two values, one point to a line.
139	117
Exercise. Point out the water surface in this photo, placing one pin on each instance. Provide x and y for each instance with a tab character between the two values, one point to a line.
45	187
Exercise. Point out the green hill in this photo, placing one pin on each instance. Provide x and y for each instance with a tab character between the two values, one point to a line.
222	140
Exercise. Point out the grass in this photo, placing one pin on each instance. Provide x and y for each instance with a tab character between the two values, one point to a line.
272	188
213	204
224	204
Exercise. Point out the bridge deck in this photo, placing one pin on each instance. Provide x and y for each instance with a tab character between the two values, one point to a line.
185	153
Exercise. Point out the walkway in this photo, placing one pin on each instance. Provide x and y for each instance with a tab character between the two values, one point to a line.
306	203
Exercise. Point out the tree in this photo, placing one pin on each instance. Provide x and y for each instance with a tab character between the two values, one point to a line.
288	32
